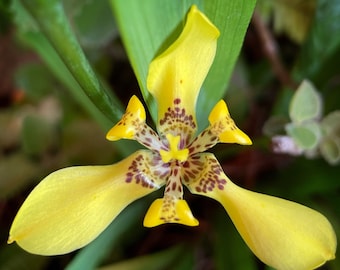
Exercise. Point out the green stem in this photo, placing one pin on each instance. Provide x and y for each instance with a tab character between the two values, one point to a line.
53	22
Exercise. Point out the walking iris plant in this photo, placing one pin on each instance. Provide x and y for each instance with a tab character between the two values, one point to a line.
72	206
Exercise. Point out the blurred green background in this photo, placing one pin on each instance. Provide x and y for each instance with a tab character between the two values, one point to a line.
47	121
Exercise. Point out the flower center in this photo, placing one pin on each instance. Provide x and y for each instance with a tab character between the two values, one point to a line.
174	153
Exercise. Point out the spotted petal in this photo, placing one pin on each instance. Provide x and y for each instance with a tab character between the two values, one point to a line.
132	126
281	233
131	123
175	77
169	210
222	129
72	206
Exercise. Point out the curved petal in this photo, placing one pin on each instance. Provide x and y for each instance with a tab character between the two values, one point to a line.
222	129
72	206
175	77
131	122
281	233
169	210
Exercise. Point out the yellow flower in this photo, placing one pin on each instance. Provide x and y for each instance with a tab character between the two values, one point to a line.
72	206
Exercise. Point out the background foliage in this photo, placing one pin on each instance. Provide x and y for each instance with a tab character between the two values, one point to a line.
69	67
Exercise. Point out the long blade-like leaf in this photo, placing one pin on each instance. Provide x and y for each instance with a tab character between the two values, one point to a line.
53	22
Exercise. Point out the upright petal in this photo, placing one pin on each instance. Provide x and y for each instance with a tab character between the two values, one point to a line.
175	77
281	233
222	129
131	123
132	126
223	126
72	206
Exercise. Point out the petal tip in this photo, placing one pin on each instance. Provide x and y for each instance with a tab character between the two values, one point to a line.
127	127
224	126
10	240
195	11
235	136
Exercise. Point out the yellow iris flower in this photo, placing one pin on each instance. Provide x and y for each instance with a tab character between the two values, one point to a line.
72	206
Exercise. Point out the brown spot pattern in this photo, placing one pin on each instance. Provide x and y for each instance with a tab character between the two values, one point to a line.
203	174
177	120
148	173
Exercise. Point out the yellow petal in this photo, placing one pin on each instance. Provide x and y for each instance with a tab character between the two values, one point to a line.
281	233
175	77
131	122
72	206
169	210
224	127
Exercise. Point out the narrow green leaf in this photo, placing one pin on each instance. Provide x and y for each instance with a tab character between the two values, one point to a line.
41	45
52	20
29	35
306	103
149	27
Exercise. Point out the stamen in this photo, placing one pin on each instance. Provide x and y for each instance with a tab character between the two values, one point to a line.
174	153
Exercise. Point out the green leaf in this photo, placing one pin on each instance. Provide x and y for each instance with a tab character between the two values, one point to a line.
149	27
306	103
53	22
331	123
330	149
29	35
306	136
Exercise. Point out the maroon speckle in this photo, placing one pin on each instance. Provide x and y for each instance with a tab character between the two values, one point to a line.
221	187
174	185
